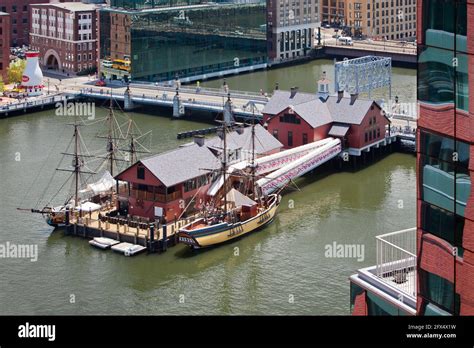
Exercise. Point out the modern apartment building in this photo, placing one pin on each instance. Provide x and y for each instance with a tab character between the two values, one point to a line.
4	44
333	12
389	19
65	35
153	41
429	270
291	26
445	157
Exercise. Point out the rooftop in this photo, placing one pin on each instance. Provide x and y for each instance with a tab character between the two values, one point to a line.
71	6
191	160
181	164
264	141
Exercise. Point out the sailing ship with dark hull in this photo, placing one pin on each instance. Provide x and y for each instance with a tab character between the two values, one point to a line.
94	188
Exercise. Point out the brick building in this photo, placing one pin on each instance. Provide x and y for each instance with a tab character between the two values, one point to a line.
167	183
435	275
65	34
291	28
333	12
297	118
445	157
4	44
20	15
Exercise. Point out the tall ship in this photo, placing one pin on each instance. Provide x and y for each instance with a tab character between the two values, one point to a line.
91	180
232	213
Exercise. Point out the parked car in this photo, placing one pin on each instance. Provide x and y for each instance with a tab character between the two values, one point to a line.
101	83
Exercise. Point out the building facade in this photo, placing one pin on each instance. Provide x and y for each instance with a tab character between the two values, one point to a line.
445	157
296	118
4	44
333	12
389	19
176	182
20	15
291	27
432	272
65	35
194	41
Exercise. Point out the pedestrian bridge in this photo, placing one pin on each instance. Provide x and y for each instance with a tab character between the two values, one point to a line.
245	105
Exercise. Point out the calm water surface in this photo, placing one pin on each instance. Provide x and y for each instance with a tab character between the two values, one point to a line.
286	259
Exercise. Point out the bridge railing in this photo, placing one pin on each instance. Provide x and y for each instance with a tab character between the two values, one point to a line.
32	103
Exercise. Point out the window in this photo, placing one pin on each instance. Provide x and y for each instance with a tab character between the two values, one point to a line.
443	224
141	172
305	138
275	133
441	19
290	138
439	291
444	172
437	77
190	185
366	137
290	118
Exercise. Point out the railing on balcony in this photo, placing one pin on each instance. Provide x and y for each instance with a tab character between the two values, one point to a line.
396	260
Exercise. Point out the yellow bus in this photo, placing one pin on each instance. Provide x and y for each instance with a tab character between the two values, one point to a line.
121	64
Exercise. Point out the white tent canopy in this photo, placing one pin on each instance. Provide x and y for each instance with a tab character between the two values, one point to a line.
239	199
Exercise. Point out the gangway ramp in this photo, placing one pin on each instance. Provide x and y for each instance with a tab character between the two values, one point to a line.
301	166
270	163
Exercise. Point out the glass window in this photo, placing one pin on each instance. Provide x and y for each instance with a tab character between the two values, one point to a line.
442	21
192	41
442	148
290	138
439	291
437	184
437	77
141	172
442	223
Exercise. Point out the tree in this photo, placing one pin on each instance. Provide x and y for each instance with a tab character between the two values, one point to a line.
15	71
2	85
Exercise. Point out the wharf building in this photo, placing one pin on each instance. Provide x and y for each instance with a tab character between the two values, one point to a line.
296	118
65	35
434	275
171	183
291	28
4	45
194	40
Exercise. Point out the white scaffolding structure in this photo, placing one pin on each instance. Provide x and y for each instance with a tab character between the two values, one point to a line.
363	74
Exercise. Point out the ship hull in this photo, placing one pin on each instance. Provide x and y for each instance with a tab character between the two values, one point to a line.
224	232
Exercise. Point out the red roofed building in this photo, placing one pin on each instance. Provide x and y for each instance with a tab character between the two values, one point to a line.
297	118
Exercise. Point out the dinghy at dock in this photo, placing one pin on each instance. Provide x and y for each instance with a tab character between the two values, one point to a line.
103	243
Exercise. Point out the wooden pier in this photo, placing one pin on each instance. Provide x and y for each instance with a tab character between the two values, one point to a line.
153	236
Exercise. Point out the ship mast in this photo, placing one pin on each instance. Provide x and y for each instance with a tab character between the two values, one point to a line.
252	163
224	165
110	142
76	165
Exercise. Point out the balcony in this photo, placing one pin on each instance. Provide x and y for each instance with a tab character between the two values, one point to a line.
393	278
396	260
